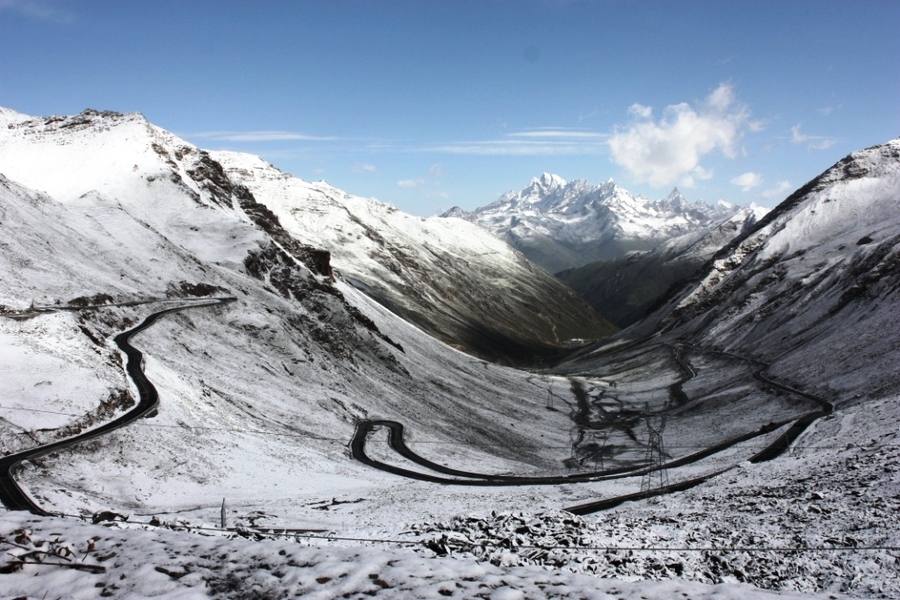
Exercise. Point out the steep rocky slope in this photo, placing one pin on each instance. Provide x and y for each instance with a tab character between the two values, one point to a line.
449	277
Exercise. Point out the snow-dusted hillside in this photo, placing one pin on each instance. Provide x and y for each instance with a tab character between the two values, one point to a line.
560	225
105	218
130	214
814	283
451	278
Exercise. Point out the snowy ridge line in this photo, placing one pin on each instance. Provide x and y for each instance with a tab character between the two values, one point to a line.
12	496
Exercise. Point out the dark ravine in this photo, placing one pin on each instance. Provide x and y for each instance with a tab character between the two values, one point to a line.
12	496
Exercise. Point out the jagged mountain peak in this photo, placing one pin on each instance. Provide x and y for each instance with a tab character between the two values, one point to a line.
560	224
547	182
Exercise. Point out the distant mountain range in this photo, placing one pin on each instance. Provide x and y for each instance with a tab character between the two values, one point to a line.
562	225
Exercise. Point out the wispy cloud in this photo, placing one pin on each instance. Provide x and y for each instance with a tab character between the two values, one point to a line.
259	136
37	10
517	148
827	110
748	181
779	191
813	142
530	142
559	133
363	168
669	150
410	183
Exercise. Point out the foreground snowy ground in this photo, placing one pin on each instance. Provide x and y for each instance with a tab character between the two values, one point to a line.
822	522
55	558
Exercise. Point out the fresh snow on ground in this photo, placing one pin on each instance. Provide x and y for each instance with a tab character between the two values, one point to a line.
75	560
260	397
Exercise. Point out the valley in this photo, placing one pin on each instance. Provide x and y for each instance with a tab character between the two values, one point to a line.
328	363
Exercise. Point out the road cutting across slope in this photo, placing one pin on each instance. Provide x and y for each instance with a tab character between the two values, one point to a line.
12	496
450	476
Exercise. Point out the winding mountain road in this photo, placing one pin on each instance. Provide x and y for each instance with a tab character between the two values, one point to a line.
466	478
12	496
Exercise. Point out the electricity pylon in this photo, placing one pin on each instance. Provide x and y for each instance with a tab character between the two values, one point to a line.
658	476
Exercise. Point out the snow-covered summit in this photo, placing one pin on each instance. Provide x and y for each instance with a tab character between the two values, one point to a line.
559	224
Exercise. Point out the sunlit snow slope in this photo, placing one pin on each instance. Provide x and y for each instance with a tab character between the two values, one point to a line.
259	397
814	284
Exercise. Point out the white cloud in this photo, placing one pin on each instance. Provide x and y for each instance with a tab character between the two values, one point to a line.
37	10
363	168
410	183
669	150
748	181
702	173
640	111
813	142
779	191
436	170
259	136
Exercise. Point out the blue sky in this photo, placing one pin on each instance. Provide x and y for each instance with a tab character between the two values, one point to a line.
431	104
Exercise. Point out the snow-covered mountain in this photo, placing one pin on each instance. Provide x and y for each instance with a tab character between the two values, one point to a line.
817	277
561	225
626	288
105	219
452	279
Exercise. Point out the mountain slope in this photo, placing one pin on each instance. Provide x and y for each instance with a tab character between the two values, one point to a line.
817	277
131	219
450	278
626	288
560	225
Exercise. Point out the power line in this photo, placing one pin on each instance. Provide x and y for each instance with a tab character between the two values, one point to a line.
505	543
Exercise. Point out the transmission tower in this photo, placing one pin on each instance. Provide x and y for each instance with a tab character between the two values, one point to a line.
658	476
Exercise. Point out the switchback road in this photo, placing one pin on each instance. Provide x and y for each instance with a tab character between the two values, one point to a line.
450	476
12	496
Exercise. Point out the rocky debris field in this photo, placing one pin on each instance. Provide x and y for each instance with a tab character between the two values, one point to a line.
835	530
